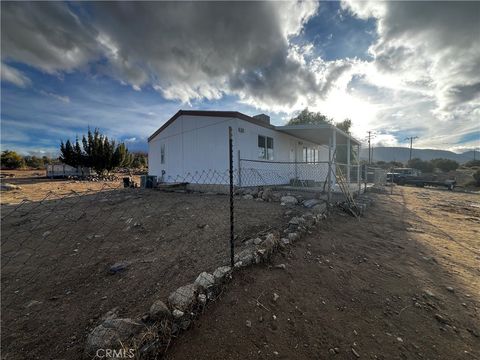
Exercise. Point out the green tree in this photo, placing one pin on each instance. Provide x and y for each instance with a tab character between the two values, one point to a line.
423	166
95	151
445	165
344	125
11	160
309	117
34	162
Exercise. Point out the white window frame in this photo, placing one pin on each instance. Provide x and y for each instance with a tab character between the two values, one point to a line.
263	151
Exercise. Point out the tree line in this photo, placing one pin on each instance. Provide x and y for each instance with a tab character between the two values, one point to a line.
95	151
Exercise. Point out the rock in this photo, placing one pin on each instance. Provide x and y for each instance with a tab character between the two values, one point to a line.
202	299
267	195
9	187
441	319
246	257
332	351
220	273
257	241
320	208
292	237
288	200
159	311
248	323
285	241
111	334
275	297
248	197
311	203
118	267
280	266
183	298
204	281
177	314
451	289
111	314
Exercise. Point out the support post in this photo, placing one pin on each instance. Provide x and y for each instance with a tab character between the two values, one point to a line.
329	173
232	233
334	156
239	169
348	161
359	182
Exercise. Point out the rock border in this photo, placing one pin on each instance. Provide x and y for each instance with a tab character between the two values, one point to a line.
151	335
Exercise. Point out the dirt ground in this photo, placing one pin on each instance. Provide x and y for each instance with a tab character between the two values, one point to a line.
401	283
57	253
35	186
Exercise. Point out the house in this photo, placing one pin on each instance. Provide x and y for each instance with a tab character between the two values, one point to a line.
194	146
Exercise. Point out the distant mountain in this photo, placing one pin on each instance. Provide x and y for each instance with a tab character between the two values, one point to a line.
402	154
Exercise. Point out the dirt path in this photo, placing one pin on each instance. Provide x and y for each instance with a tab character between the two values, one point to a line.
403	283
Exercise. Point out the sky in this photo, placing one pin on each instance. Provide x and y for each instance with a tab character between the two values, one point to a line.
396	68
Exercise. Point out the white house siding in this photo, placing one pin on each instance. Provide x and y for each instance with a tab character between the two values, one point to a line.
196	150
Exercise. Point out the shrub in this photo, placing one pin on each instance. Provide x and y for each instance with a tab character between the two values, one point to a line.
11	160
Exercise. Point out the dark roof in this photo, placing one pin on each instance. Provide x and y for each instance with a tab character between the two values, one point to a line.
228	114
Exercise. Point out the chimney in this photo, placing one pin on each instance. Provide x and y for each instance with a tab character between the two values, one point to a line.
263	117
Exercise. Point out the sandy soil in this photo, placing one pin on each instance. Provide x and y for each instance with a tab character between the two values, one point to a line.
56	256
401	283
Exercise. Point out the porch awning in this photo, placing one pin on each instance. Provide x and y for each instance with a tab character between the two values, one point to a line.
318	134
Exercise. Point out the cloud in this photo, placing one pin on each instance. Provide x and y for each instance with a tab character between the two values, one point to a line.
426	59
187	51
48	36
64	99
14	76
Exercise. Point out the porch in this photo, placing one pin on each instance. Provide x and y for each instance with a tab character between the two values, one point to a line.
342	163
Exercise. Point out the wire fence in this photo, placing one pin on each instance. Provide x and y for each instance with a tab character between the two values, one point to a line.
73	261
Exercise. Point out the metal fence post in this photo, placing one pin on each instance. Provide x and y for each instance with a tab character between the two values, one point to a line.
232	232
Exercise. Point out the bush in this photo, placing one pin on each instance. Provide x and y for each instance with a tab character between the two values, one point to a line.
472	163
445	165
423	166
11	160
476	177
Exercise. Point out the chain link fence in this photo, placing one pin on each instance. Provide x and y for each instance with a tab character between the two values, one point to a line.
73	261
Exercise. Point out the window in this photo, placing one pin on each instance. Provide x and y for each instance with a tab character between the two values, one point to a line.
162	154
265	147
310	155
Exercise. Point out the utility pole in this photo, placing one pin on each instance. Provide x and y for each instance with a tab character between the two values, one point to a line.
411	138
371	135
369	151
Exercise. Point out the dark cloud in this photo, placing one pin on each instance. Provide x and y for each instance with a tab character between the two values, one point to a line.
185	50
46	35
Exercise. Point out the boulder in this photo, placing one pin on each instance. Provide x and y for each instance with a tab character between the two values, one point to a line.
159	311
183	298
320	208
267	195
204	281
248	197
112	334
257	241
246	257
288	200
220	273
310	203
